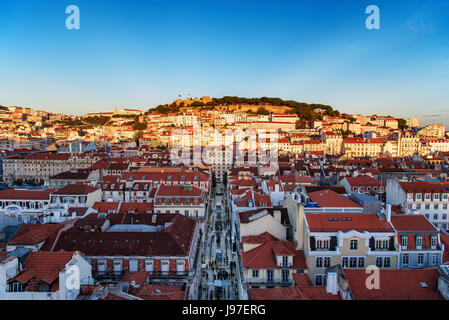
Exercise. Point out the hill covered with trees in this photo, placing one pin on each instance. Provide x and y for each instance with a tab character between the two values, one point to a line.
304	110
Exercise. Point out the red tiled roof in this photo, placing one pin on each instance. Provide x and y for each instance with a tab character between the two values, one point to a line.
139	278
31	234
359	222
290	293
175	240
77	189
48	156
412	222
157	292
308	291
264	256
424	187
43	266
328	198
178	191
396	285
105	207
294	178
136	207
259	239
14	194
364	180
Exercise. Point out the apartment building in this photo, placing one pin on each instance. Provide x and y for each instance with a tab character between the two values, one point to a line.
353	241
164	245
419	242
272	264
186	200
430	199
41	166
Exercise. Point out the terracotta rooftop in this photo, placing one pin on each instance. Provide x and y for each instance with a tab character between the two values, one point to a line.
360	222
396	285
328	198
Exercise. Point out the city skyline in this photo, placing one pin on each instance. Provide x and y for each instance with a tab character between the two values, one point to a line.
142	54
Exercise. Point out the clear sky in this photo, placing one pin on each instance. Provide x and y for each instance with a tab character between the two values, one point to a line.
139	54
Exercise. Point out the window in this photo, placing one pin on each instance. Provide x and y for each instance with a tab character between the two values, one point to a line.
405	259
418	206
445	206
444	216
345	262
133	265
435	259
418	242
379	261
165	265
420	259
285	261
354	244
255	273
270	275
322	244
180	266
353	262
101	265
436	206
427	207
382	244
327	262
117	265
433	242
285	275
319	280
361	262
319	262
149	265
404	242
387	262
418	196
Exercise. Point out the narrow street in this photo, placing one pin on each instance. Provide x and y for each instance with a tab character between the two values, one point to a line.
218	279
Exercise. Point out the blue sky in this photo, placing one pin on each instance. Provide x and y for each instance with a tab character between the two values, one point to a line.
140	54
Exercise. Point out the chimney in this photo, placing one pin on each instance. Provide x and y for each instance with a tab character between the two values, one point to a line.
388	213
332	283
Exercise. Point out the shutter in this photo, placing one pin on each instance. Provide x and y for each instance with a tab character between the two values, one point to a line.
371	243
392	244
312	244
333	243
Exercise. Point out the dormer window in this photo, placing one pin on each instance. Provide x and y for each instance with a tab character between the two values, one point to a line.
427	196
418	242
418	196
404	242
285	261
322	244
433	242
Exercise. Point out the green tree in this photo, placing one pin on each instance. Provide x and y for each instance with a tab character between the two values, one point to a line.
263	111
